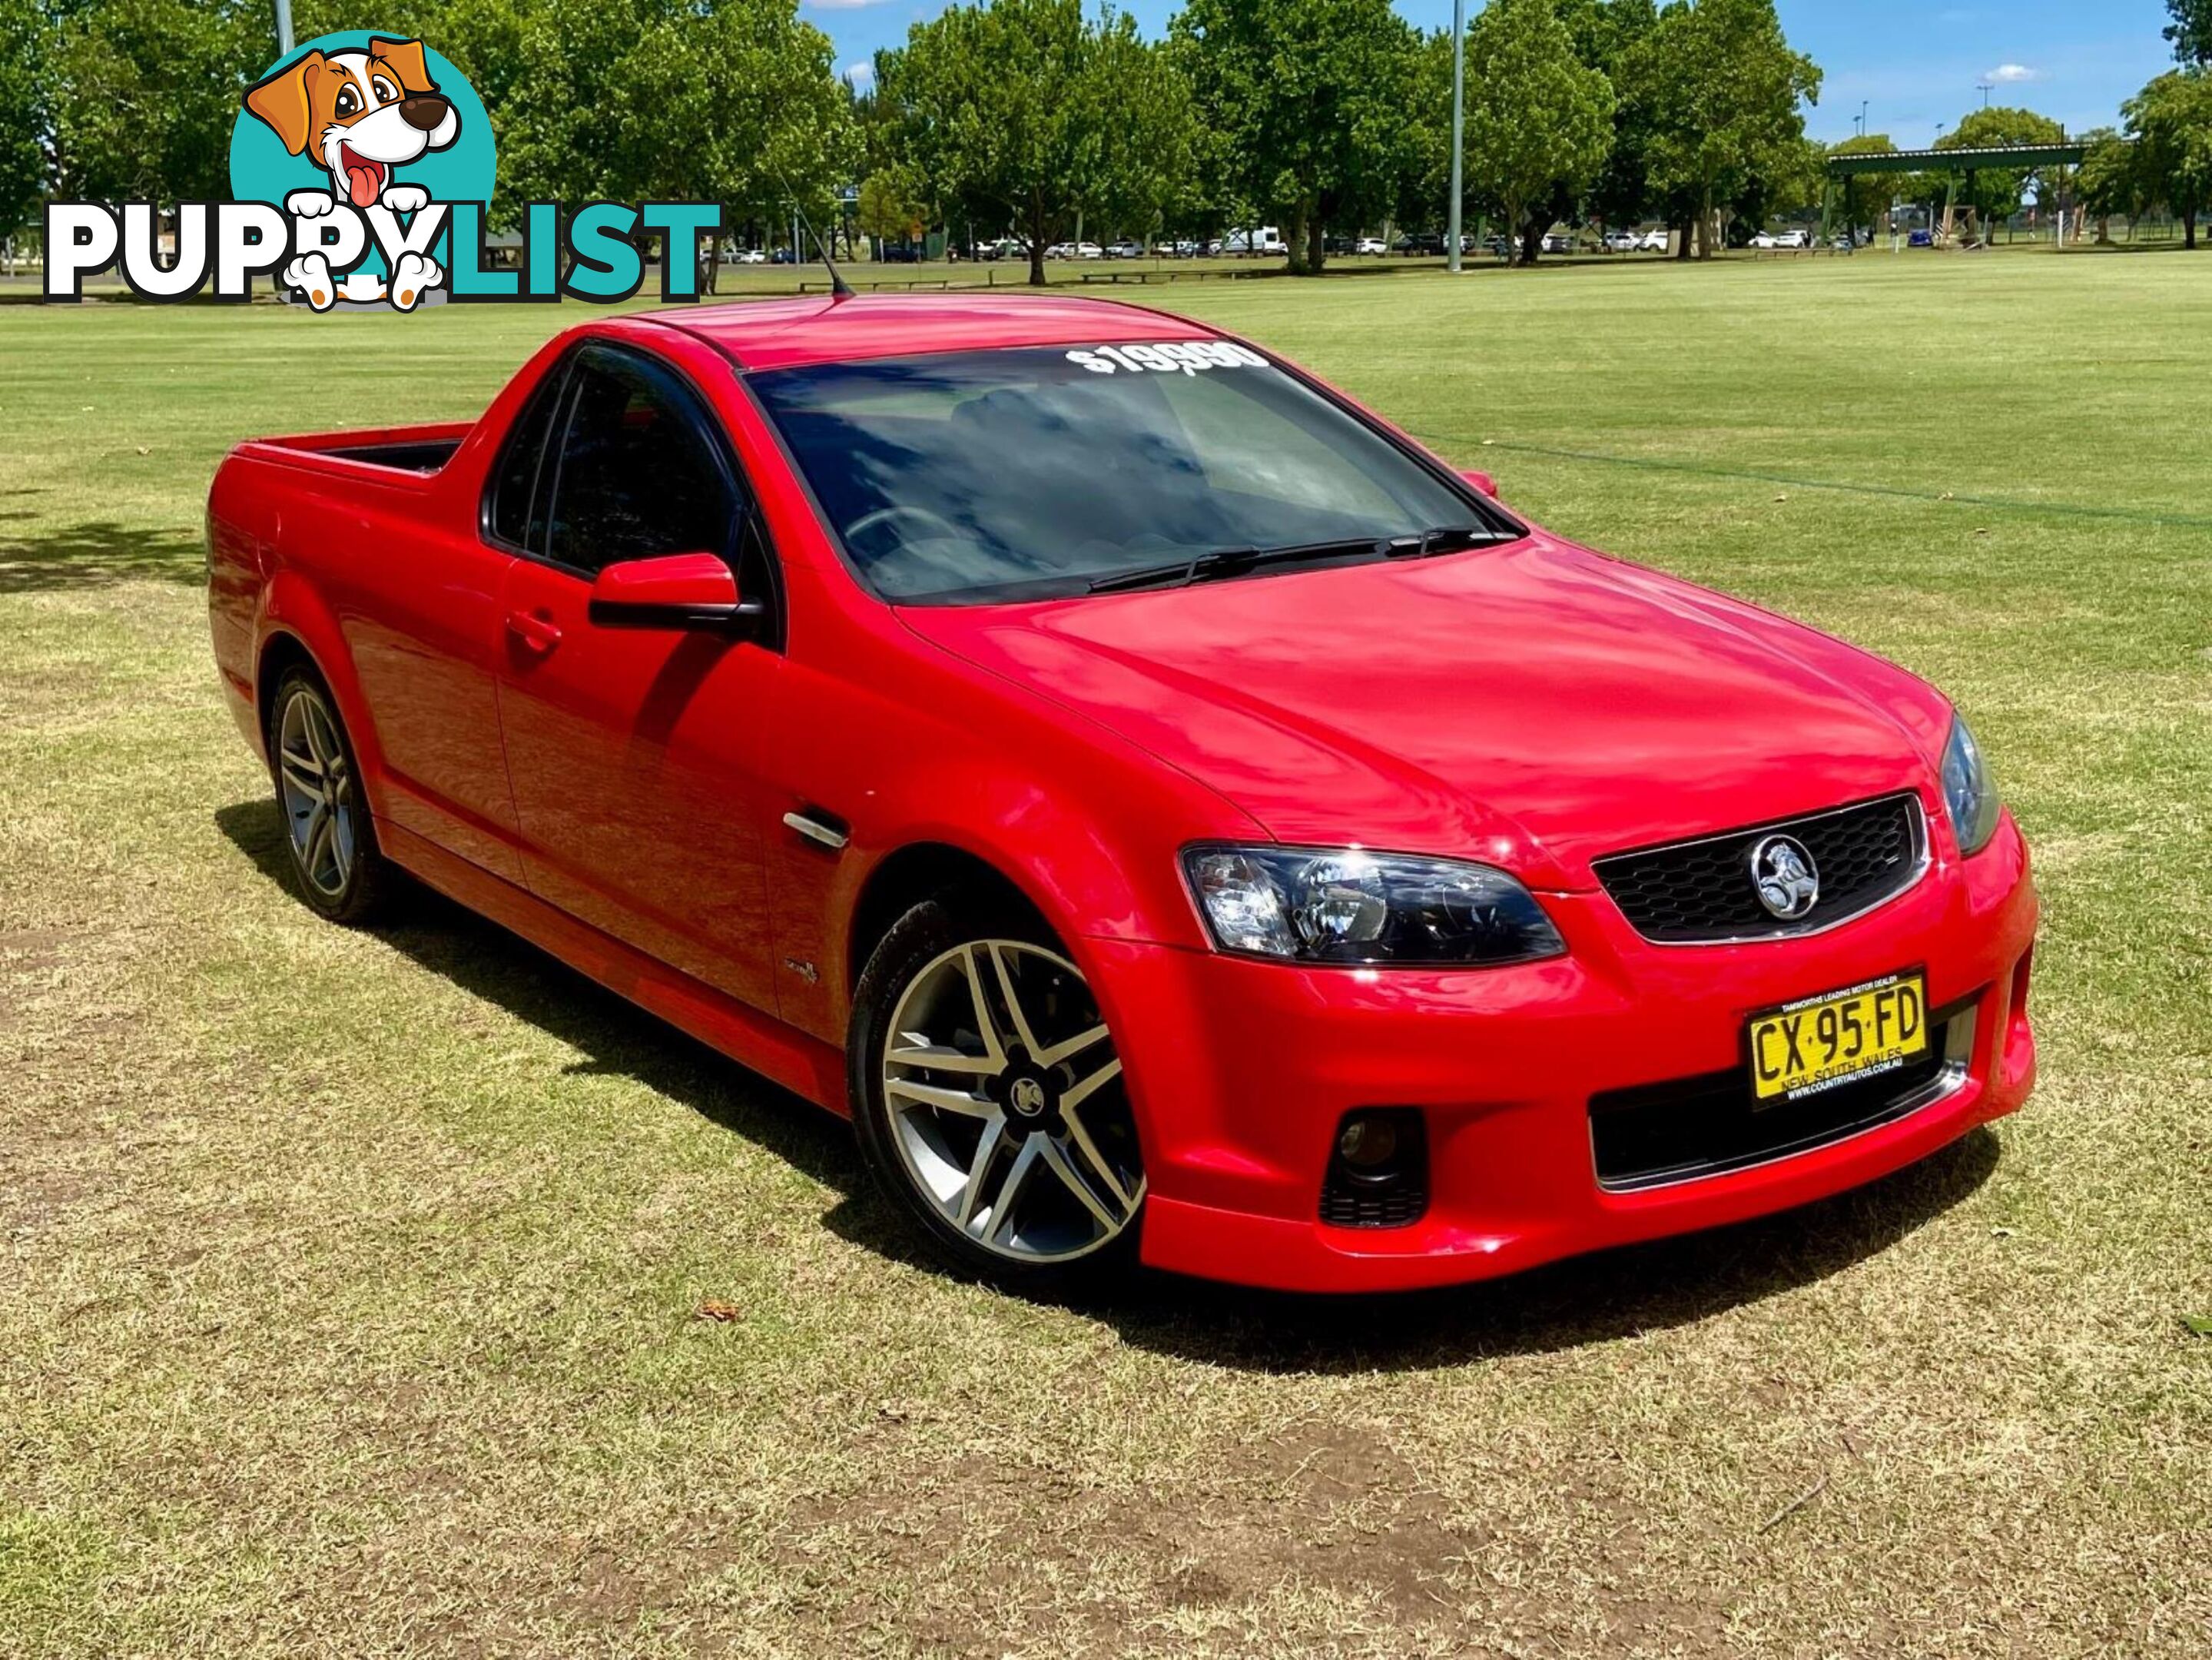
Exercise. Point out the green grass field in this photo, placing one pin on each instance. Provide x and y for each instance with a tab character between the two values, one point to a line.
351	1288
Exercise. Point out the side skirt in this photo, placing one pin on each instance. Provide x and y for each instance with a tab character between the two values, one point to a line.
802	1064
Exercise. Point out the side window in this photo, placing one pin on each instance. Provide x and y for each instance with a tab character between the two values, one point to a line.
638	475
515	481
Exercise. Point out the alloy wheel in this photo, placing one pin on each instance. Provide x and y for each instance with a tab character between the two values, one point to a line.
1007	1103
317	787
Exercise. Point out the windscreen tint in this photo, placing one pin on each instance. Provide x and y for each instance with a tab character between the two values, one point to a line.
1017	474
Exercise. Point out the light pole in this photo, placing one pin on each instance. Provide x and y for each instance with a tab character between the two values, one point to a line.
1459	126
283	28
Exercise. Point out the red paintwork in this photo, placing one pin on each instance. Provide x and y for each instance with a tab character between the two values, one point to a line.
617	794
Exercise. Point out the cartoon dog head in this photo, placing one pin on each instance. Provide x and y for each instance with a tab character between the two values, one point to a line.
361	114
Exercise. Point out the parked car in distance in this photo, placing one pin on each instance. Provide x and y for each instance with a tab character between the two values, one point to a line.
782	257
1421	242
1371	245
1921	239
1125	249
1266	239
1622	241
1559	241
1794	239
1764	240
918	698
1657	240
749	257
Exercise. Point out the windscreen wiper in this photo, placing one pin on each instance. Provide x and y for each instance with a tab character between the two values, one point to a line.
1218	562
1446	539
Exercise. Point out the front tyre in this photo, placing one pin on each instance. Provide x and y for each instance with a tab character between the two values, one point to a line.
332	845
990	1103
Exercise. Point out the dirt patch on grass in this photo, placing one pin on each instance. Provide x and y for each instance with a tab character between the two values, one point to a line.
29	951
32	1199
1325	1511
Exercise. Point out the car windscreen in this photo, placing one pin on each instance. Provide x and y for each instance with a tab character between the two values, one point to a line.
1026	473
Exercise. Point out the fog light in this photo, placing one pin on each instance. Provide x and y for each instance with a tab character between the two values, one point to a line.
1367	1143
1378	1172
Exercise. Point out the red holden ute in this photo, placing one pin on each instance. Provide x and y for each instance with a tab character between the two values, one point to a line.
1176	816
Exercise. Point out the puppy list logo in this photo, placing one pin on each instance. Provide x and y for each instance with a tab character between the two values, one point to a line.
361	167
355	115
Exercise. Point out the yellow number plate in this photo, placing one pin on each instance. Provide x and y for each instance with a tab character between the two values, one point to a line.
1818	1043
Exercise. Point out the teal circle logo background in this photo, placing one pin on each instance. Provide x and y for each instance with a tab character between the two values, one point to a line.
261	170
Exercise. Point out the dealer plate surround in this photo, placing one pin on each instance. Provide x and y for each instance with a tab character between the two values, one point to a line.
1835	1037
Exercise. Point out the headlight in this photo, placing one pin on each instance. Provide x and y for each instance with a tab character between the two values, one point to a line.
1342	905
1967	790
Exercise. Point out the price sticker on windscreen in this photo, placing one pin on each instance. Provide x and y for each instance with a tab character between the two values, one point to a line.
1175	357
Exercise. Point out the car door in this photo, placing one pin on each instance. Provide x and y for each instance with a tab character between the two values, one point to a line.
417	598
634	753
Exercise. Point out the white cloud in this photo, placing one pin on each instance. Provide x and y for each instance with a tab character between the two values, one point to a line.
862	74
2012	74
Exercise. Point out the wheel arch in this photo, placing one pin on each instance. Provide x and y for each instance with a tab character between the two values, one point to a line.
296	627
281	652
918	871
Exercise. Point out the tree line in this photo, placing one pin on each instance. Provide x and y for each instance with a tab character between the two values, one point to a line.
1041	120
1326	117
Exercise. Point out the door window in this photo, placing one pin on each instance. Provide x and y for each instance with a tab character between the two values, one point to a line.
517	514
638	475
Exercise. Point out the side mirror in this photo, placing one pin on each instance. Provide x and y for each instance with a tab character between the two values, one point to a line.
1482	481
675	591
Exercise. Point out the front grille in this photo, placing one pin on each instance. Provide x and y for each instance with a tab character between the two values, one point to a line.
1703	1125
1701	891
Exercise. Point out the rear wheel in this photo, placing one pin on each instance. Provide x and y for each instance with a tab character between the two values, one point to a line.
334	856
989	1099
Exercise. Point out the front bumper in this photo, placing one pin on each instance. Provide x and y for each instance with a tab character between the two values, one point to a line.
1240	1072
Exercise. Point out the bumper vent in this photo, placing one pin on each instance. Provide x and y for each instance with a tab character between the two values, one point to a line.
1688	1127
1701	893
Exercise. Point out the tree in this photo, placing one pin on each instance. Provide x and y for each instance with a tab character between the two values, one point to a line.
1025	114
2191	32
1995	193
2172	121
143	94
1724	87
1863	193
1607	33
890	210
2110	181
1309	99
730	101
1539	120
24	44
1786	185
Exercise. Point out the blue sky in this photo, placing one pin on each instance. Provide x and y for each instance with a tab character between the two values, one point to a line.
1917	63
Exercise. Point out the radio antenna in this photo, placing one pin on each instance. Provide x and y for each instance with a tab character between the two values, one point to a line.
839	287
